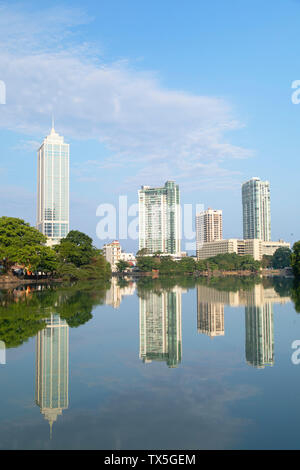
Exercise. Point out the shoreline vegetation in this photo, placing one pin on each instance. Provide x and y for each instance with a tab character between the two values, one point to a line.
24	256
229	264
210	274
23	310
23	250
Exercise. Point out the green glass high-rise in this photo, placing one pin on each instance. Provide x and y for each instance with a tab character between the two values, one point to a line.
256	209
159	219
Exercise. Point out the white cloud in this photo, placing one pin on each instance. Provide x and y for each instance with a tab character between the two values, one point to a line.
150	128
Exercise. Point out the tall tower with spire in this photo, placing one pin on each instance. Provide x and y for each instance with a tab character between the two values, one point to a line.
53	187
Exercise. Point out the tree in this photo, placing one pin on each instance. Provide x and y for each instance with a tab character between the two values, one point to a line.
295	259
77	248
281	258
142	252
48	261
201	265
19	242
267	261
147	263
38	258
98	268
187	265
122	265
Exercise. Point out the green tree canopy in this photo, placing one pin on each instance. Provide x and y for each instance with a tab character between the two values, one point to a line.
147	263
187	265
281	258
122	265
77	248
142	252
267	261
21	243
295	259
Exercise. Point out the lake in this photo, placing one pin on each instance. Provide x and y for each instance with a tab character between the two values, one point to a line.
158	364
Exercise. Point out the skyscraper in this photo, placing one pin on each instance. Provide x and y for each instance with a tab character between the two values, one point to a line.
159	219
52	369
53	188
256	209
209	227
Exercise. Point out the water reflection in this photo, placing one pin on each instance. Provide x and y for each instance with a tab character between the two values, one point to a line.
210	311
50	313
52	369
160	327
259	324
259	331
117	290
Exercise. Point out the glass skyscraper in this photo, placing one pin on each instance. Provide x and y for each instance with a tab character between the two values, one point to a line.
159	219
53	188
256	209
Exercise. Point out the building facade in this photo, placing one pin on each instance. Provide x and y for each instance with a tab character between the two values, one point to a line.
256	209
160	219
53	188
209	227
112	253
128	257
253	247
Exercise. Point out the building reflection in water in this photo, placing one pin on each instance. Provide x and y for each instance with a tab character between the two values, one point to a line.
259	335
115	293
259	326
259	329
210	311
52	369
160	327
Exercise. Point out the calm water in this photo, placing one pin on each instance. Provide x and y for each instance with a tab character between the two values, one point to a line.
157	365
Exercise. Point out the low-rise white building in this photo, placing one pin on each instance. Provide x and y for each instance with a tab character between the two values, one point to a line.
112	253
253	247
269	248
129	257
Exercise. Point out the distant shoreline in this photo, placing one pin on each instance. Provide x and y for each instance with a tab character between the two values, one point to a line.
8	281
15	282
245	273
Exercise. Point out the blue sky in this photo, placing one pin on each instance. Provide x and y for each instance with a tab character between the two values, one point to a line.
196	91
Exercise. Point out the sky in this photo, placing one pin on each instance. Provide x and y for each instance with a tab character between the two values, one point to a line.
199	92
